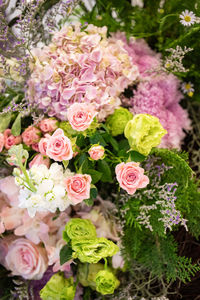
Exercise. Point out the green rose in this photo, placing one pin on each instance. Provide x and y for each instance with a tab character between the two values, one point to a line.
79	229
87	274
144	132
93	250
117	121
58	288
106	282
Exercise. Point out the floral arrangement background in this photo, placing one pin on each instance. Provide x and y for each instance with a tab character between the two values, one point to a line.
99	149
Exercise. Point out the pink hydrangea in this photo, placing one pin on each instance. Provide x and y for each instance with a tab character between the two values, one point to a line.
80	66
159	96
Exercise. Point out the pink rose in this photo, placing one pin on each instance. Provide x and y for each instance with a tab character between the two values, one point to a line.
1	141
80	116
26	259
39	159
131	177
31	135
96	152
78	187
59	147
48	125
10	140
43	144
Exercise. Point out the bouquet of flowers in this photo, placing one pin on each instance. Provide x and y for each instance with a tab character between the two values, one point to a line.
98	190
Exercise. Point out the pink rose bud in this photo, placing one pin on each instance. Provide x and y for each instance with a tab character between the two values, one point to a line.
43	144
59	146
31	135
38	160
10	140
96	152
1	141
48	125
81	115
26	259
78	187
35	147
131	177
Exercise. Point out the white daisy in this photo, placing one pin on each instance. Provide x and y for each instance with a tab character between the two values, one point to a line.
187	87
187	18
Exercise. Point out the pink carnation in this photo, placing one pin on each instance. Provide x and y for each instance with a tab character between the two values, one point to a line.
26	259
160	96
80	116
78	187
10	140
96	152
59	146
48	125
1	141
140	53
38	160
31	135
131	177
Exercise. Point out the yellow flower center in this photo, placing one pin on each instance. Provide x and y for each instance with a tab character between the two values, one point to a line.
187	18
187	86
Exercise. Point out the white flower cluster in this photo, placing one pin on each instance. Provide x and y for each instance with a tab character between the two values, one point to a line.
50	192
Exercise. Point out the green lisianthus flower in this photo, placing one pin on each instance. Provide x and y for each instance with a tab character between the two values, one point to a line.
58	288
116	122
106	282
92	250
144	132
87	274
79	229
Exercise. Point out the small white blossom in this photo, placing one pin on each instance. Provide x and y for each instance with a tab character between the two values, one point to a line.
187	87
187	18
139	3
50	193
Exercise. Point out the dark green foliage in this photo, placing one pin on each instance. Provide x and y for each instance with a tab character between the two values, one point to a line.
157	250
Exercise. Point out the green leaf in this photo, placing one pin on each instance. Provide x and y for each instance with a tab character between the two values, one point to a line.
65	163
136	156
114	143
96	175
89	202
5	121
65	254
104	168
93	193
97	139
16	127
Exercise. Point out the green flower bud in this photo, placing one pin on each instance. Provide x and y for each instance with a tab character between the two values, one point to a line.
87	274
106	282
58	288
79	229
117	121
92	250
144	132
